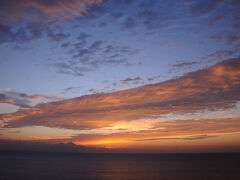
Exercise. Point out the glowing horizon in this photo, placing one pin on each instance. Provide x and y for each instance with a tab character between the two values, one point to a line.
127	75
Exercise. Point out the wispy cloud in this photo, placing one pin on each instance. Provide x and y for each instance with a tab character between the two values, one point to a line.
36	18
219	55
182	66
58	37
136	80
42	10
86	57
203	8
21	35
22	100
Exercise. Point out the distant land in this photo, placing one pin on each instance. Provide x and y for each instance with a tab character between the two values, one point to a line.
31	146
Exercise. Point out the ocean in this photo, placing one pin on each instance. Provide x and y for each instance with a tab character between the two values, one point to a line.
19	165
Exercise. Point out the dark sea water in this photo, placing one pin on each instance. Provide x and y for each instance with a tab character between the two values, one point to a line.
119	166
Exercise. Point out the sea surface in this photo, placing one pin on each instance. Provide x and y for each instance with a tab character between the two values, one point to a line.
119	166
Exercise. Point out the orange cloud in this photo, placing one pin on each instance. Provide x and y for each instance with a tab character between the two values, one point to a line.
14	103
176	130
207	89
21	99
54	10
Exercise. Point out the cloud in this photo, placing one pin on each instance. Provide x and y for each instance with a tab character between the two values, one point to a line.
220	54
232	38
82	41
216	37
130	15
23	103
72	88
64	45
22	34
182	66
19	104
217	19
96	45
42	10
87	57
198	137
33	19
26	20
20	99
38	17
129	23
211	89
198	127
150	19
203	8
83	36
58	37
70	68
183	130
209	59
30	97
100	90
136	80
154	78
230	35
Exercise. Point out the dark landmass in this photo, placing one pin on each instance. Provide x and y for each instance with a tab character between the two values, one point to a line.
34	146
29	146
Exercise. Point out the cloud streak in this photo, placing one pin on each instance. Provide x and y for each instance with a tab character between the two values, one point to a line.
22	100
175	130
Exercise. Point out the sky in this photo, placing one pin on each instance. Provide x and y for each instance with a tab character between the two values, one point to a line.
149	75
